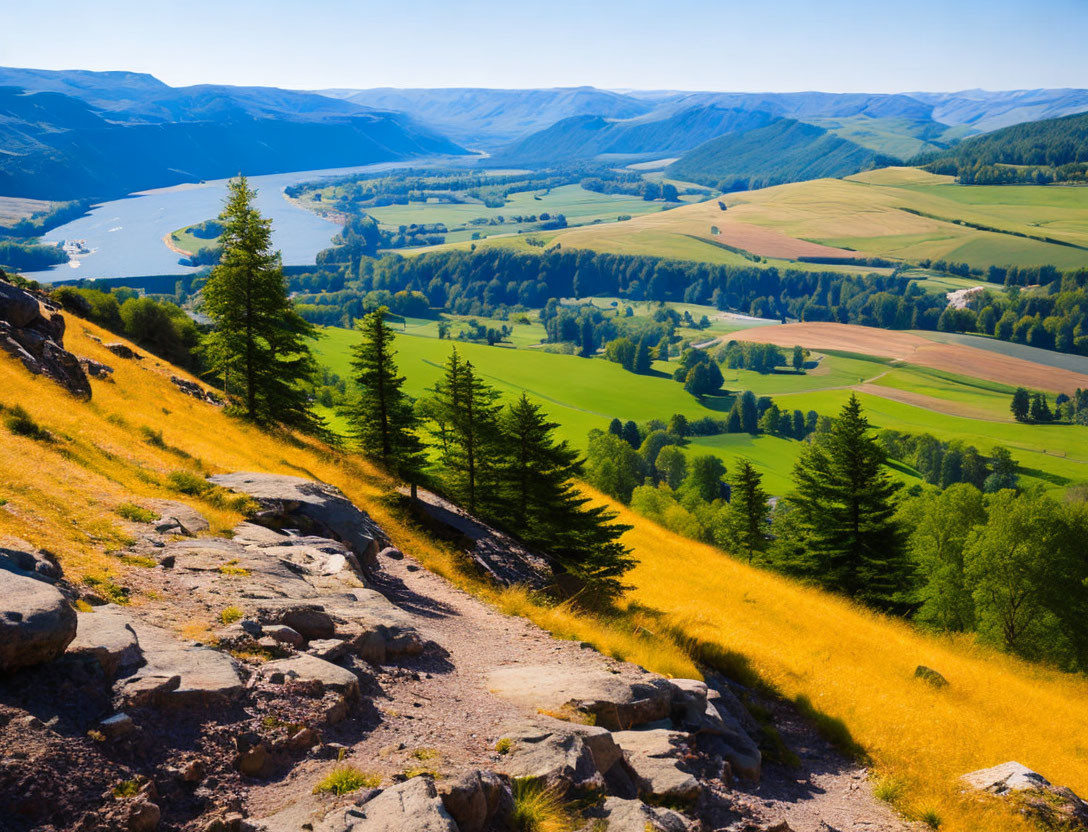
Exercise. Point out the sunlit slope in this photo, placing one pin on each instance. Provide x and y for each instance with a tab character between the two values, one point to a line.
858	667
897	213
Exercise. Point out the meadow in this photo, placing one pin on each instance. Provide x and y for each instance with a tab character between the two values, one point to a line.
850	668
897	213
582	394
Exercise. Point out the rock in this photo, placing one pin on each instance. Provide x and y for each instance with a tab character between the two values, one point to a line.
284	634
143	816
191	388
17	307
654	756
312	505
36	622
306	668
635	816
412	806
329	649
477	800
928	674
17	555
377	629
95	369
617	702
253	761
106	636
392	553
557	757
1053	807
178	518
117	726
123	351
206	677
32	330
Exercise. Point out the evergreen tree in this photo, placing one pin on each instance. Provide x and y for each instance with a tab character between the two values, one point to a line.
631	434
705	477
749	413
589	347
382	419
747	517
470	410
1040	409
843	499
1021	404
643	361
798	358
615	427
258	347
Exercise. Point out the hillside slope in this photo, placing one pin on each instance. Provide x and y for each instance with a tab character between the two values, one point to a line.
785	151
75	135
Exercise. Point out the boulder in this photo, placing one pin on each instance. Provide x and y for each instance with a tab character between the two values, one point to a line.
123	351
310	505
1054	807
477	800
95	369
36	622
178	518
305	668
32	331
143	816
654	755
16	555
617	701
106	636
553	755
282	633
308	621
377	629
635	816
205	677
413	805
18	307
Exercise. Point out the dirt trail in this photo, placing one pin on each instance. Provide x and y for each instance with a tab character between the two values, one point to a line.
438	707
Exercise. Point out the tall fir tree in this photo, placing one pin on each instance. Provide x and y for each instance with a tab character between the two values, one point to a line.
470	411
381	418
748	511
259	344
844	504
543	506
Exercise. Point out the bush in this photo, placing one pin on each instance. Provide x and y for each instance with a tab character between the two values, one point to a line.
228	615
186	482
345	779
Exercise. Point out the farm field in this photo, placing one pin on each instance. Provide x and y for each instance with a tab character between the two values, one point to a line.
956	358
581	394
13	209
895	213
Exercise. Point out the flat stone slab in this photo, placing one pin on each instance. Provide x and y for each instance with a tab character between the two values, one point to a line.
305	668
618	702
412	806
106	636
1006	778
36	622
549	753
178	518
654	756
205	677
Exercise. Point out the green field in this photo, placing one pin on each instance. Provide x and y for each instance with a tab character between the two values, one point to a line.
581	394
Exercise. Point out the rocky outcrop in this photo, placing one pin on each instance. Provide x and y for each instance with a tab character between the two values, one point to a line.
635	816
106	636
32	330
1054	807
698	709
191	388
36	621
655	756
413	805
477	800
550	754
617	702
18	556
294	502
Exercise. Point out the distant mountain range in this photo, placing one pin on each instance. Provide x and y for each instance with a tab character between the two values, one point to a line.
77	134
68	135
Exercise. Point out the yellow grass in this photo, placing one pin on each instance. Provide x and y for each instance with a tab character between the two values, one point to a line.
689	599
858	667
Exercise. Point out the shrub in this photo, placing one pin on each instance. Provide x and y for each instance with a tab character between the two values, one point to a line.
504	746
189	483
152	437
889	789
137	514
127	788
345	779
228	615
538	808
19	422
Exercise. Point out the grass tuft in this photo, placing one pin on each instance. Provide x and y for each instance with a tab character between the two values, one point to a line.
504	745
137	514
345	779
228	615
127	788
538	808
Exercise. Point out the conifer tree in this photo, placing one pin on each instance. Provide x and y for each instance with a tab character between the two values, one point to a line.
542	505
748	511
470	410
259	344
643	361
843	503
382	418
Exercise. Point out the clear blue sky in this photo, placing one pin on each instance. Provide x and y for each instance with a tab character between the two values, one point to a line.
833	45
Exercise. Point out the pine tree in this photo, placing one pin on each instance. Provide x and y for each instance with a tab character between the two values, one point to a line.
749	413
643	361
843	500
471	413
1021	403
748	511
259	344
382	419
589	347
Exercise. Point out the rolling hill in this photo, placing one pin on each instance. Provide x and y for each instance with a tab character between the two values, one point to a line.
85	134
784	151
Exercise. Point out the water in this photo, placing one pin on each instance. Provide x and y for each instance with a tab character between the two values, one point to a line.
125	236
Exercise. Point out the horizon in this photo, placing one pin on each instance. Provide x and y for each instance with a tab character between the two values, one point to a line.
996	46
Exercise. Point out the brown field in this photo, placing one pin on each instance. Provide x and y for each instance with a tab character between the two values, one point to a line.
952	358
13	209
928	402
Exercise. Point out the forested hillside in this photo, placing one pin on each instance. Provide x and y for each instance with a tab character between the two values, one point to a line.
785	151
1039	152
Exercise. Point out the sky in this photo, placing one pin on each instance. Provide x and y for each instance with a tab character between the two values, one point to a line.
769	46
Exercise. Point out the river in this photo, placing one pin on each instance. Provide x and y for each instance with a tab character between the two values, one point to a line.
125	236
